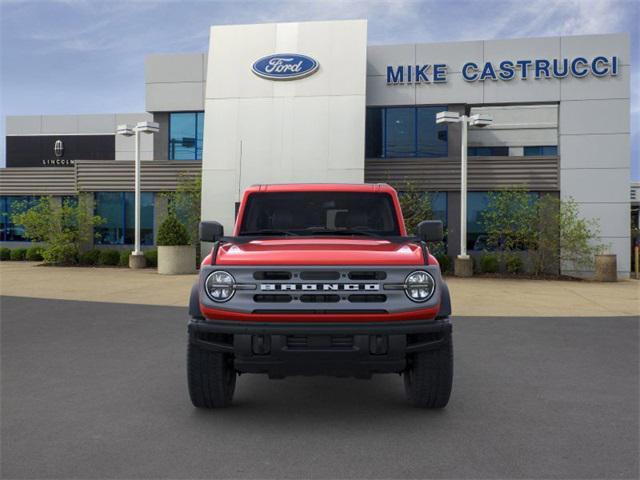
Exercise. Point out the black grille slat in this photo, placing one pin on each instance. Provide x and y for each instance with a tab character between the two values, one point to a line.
272	275
320	275
374	298
367	275
272	298
319	298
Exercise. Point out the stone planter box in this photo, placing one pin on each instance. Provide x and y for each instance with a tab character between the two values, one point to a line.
606	268
176	260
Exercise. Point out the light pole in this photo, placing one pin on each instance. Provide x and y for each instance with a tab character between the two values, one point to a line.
463	264
136	259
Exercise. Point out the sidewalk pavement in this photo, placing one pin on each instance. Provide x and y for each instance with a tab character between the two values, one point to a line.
470	296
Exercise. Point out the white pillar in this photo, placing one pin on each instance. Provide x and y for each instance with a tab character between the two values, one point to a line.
463	190
136	247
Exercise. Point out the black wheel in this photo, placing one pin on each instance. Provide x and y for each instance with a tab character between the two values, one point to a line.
211	376
429	375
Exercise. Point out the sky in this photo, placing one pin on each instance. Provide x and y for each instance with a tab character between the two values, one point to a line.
87	56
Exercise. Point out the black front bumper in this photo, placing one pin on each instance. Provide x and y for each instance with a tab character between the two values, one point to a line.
335	349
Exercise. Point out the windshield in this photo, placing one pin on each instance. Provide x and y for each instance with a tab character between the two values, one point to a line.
319	213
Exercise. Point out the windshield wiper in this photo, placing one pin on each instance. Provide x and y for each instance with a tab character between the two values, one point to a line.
268	231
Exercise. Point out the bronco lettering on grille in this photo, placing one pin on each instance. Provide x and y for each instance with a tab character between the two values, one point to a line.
324	287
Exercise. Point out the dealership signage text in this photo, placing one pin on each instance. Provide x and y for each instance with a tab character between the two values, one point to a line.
578	67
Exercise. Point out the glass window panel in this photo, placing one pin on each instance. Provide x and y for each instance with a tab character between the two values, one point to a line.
432	137
182	136
551	150
146	218
15	233
109	207
477	203
374	131
400	132
199	134
532	151
439	206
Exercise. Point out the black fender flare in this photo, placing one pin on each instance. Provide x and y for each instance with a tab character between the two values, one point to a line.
194	303
445	302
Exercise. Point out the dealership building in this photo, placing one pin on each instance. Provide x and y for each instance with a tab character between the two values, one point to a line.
312	102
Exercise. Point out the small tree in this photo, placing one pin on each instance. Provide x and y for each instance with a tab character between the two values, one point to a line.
172	232
563	237
64	228
509	220
184	203
417	206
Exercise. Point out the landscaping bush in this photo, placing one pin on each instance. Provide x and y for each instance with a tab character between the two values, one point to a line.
34	254
64	228
513	263
90	257
61	254
18	254
152	258
444	261
124	258
172	232
109	257
5	254
489	263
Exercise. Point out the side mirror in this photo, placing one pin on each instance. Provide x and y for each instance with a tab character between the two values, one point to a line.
430	231
210	231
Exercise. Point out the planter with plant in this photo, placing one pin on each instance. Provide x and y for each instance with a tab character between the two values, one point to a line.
175	253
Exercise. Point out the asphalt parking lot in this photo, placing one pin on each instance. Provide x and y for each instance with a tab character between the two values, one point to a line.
98	390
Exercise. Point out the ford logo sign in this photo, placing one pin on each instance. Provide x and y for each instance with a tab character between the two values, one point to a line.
285	66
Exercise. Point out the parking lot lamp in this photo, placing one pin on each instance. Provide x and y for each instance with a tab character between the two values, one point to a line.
136	259
463	263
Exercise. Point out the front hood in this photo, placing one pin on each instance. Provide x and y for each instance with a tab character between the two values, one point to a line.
320	251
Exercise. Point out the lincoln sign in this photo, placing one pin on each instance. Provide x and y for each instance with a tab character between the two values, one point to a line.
506	70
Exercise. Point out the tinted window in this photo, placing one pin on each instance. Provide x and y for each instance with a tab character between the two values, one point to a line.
373	138
541	151
477	204
432	138
488	151
405	132
117	209
317	213
10	232
400	132
185	135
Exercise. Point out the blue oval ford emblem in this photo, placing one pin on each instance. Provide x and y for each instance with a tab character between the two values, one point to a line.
285	66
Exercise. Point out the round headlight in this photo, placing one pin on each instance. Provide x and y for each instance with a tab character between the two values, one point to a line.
220	286
419	286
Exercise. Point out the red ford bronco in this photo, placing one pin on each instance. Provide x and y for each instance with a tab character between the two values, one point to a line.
320	280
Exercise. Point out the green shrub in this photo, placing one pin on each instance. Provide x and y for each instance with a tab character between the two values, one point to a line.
18	254
5	254
489	263
152	258
445	262
124	258
61	254
90	257
172	232
34	254
109	257
513	264
63	227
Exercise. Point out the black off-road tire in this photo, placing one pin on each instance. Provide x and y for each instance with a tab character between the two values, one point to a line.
429	376
211	376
